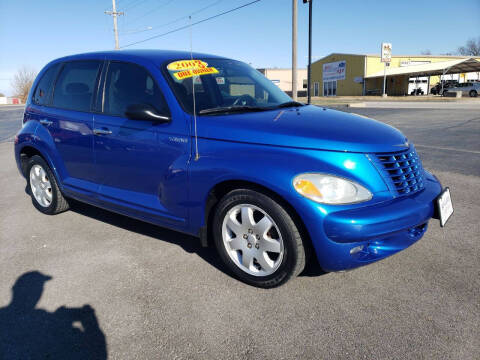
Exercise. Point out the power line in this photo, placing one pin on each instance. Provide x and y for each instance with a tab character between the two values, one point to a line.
135	31
134	4
152	10
195	23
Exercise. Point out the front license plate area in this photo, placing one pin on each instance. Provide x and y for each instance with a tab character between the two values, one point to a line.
444	206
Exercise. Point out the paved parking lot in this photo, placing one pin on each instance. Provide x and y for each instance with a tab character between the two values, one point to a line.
156	294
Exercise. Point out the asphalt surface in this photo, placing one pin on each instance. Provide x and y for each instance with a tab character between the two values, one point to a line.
10	121
156	294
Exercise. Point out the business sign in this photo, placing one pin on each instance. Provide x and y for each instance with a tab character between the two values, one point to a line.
386	52
412	63
334	70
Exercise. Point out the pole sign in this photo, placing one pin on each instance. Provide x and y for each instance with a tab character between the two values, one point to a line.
386	52
334	70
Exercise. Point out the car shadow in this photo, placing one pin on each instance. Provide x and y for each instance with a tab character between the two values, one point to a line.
28	332
188	243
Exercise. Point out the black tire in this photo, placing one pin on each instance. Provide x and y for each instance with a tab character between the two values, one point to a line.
293	261
444	92
473	93
59	203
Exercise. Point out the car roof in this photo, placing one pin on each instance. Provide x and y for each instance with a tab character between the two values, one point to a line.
158	57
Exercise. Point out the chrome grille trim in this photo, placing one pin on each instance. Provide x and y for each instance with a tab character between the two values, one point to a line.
402	171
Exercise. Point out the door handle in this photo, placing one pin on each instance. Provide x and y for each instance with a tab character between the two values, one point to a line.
102	131
46	122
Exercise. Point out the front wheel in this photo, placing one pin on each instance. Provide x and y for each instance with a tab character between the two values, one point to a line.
257	239
473	93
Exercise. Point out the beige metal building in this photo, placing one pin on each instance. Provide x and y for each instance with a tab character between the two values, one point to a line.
362	74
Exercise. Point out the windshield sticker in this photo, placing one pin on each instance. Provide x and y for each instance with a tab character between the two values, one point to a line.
189	68
187	65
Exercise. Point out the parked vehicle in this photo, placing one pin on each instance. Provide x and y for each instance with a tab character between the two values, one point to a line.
417	91
439	90
208	146
469	88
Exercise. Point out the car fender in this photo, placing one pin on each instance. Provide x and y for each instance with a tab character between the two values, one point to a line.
38	137
273	168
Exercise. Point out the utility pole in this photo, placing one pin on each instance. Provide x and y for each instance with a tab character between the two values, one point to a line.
309	77
115	13
294	50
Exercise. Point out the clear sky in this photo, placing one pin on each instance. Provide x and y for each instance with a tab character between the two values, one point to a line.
33	32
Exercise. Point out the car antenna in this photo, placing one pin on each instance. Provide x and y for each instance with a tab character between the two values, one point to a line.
197	155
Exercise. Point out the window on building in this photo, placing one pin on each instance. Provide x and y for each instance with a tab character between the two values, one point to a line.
75	85
305	83
130	84
330	88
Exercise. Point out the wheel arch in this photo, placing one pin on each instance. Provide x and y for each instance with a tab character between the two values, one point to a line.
221	189
26	152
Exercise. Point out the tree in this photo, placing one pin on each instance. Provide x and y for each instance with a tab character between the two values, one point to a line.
471	48
426	52
2	94
23	81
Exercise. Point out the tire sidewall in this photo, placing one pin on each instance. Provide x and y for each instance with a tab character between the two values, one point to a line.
276	212
473	93
37	160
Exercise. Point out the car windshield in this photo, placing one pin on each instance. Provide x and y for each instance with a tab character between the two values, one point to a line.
223	86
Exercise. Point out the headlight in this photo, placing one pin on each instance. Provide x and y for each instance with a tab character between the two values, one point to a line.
329	189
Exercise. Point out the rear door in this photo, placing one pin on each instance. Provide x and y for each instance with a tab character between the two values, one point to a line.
70	123
141	165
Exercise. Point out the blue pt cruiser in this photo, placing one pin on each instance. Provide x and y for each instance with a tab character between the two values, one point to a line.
208	146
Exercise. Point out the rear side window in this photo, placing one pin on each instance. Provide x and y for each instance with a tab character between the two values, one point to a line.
130	84
75	85
44	87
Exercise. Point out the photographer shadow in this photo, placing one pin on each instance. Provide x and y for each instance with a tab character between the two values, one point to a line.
27	332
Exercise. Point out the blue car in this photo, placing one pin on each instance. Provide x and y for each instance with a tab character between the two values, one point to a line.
208	146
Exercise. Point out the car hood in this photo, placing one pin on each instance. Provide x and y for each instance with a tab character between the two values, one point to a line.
309	127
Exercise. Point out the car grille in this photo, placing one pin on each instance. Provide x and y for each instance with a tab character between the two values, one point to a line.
402	171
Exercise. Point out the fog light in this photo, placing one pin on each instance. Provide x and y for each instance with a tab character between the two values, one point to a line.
356	249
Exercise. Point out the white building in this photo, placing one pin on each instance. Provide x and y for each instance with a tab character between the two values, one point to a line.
283	79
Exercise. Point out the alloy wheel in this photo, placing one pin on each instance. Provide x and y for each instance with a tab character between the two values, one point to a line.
252	240
40	185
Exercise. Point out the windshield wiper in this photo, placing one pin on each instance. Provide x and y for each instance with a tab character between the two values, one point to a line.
289	104
229	109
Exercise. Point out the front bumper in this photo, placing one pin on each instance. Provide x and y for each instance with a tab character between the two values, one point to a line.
358	236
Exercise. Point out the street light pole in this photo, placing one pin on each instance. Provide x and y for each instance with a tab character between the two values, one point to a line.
294	50
310	4
309	81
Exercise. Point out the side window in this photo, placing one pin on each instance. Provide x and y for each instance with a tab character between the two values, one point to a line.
44	87
75	85
130	84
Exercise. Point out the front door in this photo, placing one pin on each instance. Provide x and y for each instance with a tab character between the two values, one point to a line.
141	165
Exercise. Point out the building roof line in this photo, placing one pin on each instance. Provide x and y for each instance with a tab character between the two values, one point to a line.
437	68
403	56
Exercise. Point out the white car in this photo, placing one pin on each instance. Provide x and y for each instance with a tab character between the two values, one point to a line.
470	88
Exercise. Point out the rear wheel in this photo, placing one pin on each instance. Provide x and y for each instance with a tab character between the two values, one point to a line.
43	188
257	239
473	93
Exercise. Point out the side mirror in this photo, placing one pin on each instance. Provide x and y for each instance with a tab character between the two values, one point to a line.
145	112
